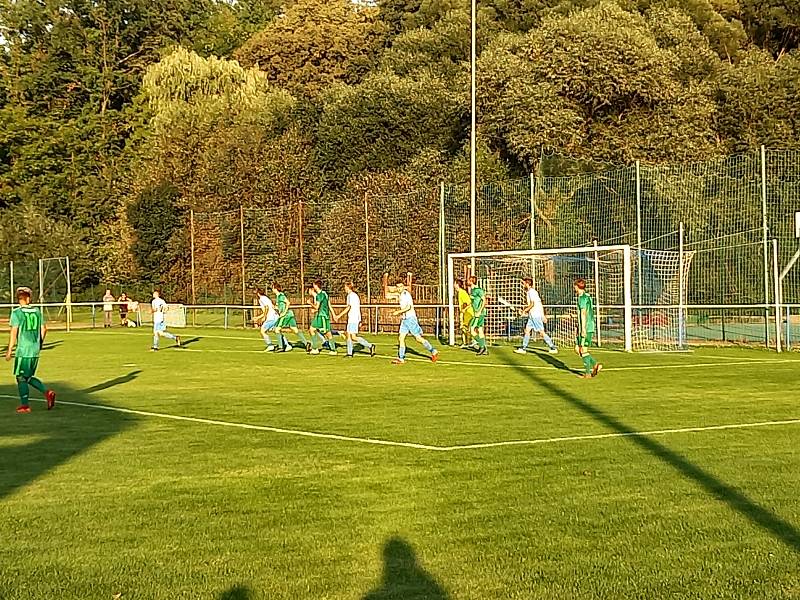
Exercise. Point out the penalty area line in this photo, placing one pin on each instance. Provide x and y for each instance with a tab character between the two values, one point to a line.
415	446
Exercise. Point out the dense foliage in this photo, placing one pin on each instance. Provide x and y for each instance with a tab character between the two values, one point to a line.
118	117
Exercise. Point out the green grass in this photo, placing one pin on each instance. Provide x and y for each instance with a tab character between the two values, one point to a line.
95	503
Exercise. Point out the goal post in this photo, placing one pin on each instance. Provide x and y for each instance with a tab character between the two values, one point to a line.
611	272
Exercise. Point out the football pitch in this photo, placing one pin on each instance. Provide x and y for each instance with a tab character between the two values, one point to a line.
219	471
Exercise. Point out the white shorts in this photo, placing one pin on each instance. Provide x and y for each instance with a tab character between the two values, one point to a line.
162	326
410	325
352	327
269	325
535	323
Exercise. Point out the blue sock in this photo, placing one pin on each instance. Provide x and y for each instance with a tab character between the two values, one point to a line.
427	345
155	341
267	339
549	341
363	342
526	340
168	335
349	346
401	352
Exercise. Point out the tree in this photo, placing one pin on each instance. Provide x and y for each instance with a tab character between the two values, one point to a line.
315	44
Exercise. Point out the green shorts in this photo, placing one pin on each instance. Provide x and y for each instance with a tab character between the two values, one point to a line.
585	342
25	367
286	321
322	324
477	321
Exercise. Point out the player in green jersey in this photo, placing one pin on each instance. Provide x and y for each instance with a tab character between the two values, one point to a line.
585	331
286	320
321	323
478	322
28	330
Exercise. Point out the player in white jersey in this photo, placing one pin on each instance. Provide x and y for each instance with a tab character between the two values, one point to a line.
536	318
159	324
409	325
268	318
353	312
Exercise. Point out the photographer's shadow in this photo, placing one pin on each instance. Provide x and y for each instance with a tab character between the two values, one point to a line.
403	577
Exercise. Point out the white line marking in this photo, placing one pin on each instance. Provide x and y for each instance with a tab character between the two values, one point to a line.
629	368
298	432
380	442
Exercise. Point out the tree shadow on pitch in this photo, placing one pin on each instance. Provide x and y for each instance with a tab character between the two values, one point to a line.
237	592
771	523
403	576
32	445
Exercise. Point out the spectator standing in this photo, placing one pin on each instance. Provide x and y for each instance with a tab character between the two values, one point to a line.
123	309
108	307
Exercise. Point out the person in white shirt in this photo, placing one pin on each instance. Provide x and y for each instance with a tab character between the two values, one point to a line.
268	318
353	312
108	308
409	325
159	324
536	319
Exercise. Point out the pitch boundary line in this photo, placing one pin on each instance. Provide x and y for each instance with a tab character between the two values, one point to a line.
416	446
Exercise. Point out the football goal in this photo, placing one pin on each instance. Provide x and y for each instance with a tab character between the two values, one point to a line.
639	295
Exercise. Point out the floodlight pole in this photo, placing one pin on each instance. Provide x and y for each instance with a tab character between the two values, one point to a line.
473	167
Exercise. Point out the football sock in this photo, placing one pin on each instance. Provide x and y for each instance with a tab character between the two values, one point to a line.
282	341
267	339
481	342
401	352
427	345
526	340
155	341
332	345
587	364
37	384
549	341
363	342
302	337
168	335
349	346
24	391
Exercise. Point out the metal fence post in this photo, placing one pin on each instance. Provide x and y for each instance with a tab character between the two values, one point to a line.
11	272
41	281
244	283
366	242
533	211
69	295
191	245
777	292
766	242
442	243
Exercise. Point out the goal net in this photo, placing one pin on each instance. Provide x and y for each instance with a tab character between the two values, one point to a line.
639	295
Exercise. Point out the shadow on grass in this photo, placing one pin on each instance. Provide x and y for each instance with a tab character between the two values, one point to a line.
188	341
551	360
774	525
237	592
32	445
112	383
403	577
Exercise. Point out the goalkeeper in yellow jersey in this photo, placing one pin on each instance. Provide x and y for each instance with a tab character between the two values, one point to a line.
465	312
